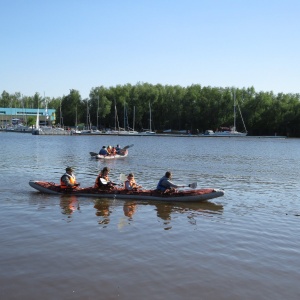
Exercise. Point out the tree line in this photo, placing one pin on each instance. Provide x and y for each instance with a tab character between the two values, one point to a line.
194	108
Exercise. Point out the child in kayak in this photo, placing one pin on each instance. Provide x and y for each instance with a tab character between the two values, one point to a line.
130	184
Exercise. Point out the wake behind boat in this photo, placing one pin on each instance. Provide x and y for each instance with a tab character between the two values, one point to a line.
196	195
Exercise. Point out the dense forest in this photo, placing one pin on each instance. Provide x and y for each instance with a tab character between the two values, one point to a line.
194	108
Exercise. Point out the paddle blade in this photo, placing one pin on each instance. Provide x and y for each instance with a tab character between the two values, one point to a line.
128	146
123	177
193	185
93	153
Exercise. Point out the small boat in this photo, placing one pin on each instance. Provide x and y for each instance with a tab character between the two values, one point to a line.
196	195
99	156
122	153
229	131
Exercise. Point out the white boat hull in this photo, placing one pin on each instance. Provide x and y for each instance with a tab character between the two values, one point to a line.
98	156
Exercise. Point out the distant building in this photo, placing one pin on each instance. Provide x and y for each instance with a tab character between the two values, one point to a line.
16	116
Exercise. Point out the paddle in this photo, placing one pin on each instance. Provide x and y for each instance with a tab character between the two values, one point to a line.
93	153
123	177
128	146
122	151
191	185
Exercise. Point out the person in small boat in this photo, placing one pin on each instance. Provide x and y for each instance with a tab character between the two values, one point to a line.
68	180
118	148
130	184
103	151
103	182
165	184
113	151
109	148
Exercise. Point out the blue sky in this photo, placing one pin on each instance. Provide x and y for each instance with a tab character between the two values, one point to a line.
51	46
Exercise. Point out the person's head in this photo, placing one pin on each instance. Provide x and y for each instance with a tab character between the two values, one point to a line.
118	146
130	176
105	170
168	174
104	147
69	170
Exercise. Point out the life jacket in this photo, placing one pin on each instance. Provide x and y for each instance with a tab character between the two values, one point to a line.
72	179
101	182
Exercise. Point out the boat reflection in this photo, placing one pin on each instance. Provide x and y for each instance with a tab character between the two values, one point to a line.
164	211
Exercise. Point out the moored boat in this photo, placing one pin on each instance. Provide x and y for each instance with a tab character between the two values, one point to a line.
196	195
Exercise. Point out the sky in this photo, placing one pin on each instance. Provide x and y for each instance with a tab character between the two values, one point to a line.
52	46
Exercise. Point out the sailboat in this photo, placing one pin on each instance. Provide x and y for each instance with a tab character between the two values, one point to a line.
37	129
130	131
229	131
147	132
37	122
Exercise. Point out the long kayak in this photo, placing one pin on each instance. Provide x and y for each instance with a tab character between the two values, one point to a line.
196	195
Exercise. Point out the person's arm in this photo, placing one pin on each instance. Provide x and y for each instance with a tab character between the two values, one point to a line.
169	184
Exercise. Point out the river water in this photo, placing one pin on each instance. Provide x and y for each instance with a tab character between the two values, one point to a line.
244	245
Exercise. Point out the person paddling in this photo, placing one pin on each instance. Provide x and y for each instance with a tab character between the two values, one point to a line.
165	183
68	180
103	182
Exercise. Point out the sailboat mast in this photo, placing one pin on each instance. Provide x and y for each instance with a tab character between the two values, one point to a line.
115	115
150	129
133	118
124	115
234	110
76	118
97	112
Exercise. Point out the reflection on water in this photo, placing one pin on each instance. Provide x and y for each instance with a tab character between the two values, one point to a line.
69	204
129	208
164	211
103	211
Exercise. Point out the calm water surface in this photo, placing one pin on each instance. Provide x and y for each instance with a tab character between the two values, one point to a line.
244	245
